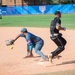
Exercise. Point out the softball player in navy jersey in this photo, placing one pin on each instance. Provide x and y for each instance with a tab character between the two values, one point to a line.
33	41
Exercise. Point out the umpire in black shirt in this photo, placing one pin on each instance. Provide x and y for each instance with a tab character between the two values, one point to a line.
55	36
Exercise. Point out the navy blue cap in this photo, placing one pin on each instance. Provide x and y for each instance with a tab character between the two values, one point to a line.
23	30
57	12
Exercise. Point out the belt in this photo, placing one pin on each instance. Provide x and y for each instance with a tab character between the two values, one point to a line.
54	35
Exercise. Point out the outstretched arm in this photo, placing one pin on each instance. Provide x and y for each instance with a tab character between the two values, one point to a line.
17	37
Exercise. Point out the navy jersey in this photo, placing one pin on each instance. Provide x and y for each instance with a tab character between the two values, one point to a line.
53	25
31	38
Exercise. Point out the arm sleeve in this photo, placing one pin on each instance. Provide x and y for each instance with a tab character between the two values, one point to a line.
30	45
21	35
59	21
29	42
58	24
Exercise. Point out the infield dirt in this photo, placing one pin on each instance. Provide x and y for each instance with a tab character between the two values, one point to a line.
12	61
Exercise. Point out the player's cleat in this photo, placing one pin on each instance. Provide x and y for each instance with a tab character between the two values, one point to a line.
29	56
50	58
46	59
57	56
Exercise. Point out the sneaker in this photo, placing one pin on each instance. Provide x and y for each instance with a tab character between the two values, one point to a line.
42	60
29	56
57	56
50	58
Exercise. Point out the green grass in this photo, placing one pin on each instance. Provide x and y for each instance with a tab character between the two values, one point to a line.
68	20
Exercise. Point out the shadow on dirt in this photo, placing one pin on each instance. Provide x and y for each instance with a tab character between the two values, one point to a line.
67	62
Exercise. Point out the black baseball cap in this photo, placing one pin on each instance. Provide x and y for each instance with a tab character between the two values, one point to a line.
57	12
